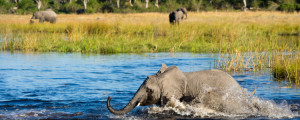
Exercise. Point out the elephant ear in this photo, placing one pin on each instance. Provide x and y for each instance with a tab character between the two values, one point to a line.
162	69
172	83
184	10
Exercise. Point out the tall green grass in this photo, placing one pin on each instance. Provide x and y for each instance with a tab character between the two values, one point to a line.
287	67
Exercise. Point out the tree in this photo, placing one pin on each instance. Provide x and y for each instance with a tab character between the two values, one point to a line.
244	8
147	1
26	6
118	3
195	5
109	1
39	4
255	4
85	3
156	4
131	3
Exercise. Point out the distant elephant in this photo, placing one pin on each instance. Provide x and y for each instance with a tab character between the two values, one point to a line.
80	11
176	16
184	11
47	15
169	82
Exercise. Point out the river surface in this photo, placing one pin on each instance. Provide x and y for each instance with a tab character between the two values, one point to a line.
74	85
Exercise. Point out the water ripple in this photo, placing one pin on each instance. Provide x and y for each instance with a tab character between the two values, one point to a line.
76	86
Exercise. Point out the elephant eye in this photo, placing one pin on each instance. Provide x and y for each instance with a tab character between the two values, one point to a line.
158	73
149	90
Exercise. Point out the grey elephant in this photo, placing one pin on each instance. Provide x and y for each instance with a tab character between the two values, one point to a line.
47	15
184	11
176	16
206	87
80	11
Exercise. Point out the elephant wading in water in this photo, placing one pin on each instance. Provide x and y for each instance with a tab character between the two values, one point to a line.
209	87
47	15
176	16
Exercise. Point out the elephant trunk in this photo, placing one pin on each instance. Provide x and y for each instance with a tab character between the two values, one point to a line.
132	104
185	16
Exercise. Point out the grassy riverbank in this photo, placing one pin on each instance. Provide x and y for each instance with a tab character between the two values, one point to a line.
228	33
151	32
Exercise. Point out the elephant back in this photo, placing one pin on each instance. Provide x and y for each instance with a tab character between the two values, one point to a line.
48	13
179	14
182	9
172	82
210	80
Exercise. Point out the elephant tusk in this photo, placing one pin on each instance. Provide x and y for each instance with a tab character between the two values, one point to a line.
138	104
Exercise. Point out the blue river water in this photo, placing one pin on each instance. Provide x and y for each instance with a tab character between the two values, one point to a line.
74	85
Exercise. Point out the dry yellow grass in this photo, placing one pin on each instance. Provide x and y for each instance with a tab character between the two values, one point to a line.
153	18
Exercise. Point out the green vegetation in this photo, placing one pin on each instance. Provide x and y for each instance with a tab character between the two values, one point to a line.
5	6
137	6
26	6
287	67
244	40
126	36
283	65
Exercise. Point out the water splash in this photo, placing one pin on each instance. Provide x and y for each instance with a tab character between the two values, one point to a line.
232	105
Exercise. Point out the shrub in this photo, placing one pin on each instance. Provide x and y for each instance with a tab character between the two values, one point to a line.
287	7
71	7
93	6
297	7
26	7
5	6
107	8
53	4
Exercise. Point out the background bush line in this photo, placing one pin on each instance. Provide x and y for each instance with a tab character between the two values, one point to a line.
95	6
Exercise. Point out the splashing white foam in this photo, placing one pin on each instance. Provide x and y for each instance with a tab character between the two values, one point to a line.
231	105
182	109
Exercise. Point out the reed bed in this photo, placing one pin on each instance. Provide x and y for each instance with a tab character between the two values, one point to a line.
283	65
244	40
287	67
250	61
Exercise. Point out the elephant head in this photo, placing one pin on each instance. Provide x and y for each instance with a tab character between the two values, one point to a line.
35	15
183	9
156	89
